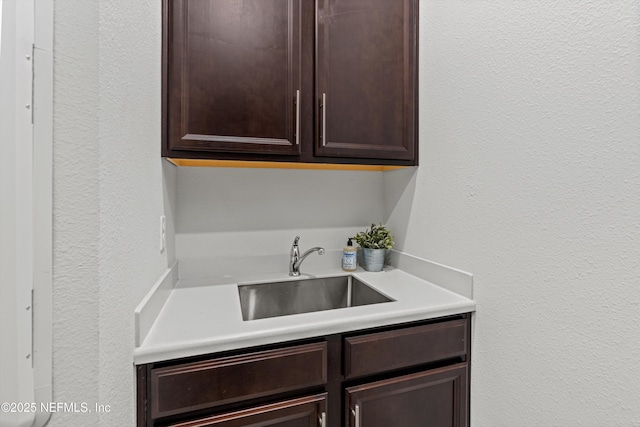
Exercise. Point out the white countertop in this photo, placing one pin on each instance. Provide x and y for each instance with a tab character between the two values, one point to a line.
203	316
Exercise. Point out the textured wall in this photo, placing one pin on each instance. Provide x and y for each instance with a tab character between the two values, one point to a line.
131	188
529	178
109	193
530	115
76	205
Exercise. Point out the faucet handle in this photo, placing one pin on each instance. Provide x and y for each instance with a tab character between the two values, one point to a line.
295	252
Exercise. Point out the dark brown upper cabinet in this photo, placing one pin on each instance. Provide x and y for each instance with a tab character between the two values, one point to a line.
322	81
366	83
234	76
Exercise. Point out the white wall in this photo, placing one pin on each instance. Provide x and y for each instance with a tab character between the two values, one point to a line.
529	178
76	205
227	212
529	130
109	193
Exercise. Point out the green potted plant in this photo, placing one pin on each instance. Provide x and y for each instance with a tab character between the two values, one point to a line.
374	242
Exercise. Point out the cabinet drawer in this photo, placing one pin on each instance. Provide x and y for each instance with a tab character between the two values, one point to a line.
217	382
402	348
303	412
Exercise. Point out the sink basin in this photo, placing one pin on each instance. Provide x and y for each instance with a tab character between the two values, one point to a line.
285	298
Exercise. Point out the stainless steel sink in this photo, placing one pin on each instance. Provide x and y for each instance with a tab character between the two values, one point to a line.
284	298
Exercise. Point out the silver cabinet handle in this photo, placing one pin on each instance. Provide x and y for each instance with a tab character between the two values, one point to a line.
324	119
297	117
323	420
356	415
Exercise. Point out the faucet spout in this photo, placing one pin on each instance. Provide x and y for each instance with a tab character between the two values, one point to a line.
296	259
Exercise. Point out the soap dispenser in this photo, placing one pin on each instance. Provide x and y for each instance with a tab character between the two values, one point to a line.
349	257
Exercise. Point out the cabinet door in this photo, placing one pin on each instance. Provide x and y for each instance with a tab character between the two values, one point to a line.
366	79
233	76
303	412
435	398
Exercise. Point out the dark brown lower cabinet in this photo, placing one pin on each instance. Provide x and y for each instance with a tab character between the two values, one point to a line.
406	375
303	412
434	398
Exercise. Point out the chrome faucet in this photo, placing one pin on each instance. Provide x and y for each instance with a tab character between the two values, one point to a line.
296	259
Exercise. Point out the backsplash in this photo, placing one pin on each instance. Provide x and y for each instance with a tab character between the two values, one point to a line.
229	212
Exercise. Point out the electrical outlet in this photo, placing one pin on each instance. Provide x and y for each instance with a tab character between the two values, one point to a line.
163	233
